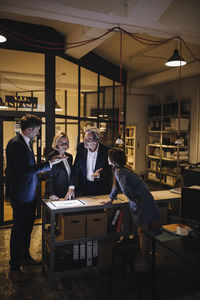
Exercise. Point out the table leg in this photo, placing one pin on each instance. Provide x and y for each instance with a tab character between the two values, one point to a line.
153	277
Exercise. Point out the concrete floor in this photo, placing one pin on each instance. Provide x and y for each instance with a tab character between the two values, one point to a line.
174	280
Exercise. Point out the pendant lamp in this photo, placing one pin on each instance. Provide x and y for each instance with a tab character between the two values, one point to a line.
175	60
2	38
57	106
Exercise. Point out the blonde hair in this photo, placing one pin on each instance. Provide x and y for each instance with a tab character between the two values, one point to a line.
57	138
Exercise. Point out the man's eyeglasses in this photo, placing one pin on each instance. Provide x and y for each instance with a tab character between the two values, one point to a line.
88	141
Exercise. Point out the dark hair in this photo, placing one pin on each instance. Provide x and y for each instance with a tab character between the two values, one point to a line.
117	157
30	121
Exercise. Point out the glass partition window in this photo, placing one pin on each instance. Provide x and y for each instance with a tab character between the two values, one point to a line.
22	76
89	93
66	87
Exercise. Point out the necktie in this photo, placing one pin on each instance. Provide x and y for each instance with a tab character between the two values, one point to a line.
30	146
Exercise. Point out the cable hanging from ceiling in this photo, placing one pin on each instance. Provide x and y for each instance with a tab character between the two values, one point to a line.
41	44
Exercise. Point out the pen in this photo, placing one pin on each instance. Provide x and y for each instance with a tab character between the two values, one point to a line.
82	202
53	204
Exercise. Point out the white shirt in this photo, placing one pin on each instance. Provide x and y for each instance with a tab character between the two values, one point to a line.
90	167
91	163
66	164
27	140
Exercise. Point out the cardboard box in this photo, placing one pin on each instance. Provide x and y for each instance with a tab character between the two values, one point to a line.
184	124
72	226
96	224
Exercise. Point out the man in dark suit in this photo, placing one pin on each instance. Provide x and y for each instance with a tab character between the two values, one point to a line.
22	177
91	173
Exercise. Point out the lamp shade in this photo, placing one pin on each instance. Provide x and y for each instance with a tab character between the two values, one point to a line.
2	38
119	140
175	60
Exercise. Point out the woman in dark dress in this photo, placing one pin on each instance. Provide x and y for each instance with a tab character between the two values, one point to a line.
143	208
57	180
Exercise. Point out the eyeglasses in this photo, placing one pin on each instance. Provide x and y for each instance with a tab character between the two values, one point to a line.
88	141
63	144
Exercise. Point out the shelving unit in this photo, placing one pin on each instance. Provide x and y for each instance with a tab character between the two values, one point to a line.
130	145
167	145
75	262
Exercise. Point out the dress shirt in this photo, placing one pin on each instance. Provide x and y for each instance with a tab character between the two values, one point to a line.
27	140
91	162
66	164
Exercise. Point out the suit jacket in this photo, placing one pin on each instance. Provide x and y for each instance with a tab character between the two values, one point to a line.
57	180
78	176
22	171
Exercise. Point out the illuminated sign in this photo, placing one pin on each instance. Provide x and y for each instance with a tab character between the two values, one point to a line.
21	101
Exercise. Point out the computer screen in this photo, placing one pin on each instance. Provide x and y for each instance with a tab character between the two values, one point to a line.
190	204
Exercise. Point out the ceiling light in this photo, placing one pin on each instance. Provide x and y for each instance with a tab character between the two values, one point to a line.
2	38
2	104
57	107
175	60
119	140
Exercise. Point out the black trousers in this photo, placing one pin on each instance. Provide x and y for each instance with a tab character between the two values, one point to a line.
23	217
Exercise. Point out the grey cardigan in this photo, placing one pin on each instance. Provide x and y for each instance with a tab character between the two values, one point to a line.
143	207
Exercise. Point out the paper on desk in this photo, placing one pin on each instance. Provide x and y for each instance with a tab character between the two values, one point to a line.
65	204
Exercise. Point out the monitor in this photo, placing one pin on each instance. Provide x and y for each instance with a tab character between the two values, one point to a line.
190	204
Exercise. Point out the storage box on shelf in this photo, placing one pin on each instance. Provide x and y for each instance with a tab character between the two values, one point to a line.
130	145
73	240
164	154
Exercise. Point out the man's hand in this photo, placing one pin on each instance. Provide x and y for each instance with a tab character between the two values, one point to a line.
97	173
70	194
57	158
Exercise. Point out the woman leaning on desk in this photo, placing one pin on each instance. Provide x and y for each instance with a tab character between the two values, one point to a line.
143	208
57	180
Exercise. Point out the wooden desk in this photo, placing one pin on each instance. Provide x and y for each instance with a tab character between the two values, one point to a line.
174	244
165	196
87	205
163	199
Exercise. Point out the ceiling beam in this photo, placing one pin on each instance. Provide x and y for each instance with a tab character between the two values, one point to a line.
83	33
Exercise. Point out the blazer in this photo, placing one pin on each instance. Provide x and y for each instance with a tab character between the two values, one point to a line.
143	207
78	176
57	180
22	171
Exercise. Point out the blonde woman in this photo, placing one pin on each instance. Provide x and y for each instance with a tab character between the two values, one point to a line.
57	180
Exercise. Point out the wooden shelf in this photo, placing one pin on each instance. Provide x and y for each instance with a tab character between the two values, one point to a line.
161	151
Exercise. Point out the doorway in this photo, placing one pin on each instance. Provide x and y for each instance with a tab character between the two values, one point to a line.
9	127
